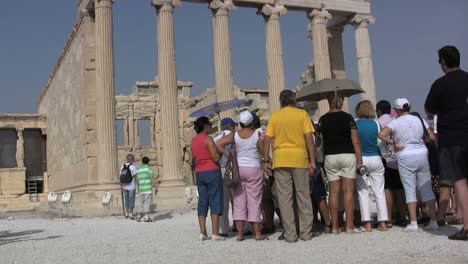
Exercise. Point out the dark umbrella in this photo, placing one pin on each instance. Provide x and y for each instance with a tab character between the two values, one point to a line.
320	90
216	108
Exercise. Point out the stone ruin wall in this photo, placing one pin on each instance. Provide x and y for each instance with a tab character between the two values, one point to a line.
68	101
143	103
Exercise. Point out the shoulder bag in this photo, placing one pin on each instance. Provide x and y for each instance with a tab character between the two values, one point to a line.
433	150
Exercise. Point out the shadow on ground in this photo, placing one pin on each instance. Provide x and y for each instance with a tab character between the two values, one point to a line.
163	216
7	237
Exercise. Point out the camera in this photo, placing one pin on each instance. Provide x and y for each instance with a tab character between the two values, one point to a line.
362	170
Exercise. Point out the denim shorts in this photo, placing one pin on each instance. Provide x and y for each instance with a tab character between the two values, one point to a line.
129	196
210	192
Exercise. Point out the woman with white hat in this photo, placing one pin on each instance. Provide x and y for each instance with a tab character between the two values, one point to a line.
413	163
247	195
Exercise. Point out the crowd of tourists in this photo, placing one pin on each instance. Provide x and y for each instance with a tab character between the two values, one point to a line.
338	167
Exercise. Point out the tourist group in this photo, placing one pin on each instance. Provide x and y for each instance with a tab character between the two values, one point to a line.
415	171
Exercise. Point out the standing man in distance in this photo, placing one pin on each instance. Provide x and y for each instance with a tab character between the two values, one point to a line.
448	99
293	163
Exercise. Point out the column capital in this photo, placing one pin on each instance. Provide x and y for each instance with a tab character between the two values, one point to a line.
362	21
19	130
226	5
103	3
270	10
319	16
160	3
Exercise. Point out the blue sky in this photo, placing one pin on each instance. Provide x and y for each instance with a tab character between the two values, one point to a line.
404	42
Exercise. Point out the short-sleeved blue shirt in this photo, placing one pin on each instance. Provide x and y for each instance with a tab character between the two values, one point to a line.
368	130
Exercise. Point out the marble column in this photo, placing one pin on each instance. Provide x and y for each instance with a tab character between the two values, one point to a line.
337	63
131	125
19	148
364	55
274	53
137	132
318	33
153	131
222	52
126	134
171	156
105	94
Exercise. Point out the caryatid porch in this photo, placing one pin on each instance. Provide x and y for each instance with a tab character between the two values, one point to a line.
327	19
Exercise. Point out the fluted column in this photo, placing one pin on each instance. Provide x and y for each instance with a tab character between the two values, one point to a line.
364	55
19	148
318	33
171	156
131	125
153	132
274	53
337	63
126	134
105	101
222	52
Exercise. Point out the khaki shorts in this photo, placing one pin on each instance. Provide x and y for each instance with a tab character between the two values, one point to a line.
340	165
145	202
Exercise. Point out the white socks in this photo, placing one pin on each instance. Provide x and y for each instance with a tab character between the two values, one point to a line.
412	227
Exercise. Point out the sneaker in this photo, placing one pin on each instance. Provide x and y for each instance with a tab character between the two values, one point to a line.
431	226
204	237
462	235
131	216
410	228
218	238
126	215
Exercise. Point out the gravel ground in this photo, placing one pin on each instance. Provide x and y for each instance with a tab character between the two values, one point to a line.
173	239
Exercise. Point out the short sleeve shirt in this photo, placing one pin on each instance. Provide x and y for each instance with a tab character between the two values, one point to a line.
130	186
448	99
408	132
288	127
336	131
368	130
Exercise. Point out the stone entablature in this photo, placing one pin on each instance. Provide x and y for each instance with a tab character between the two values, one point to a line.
24	121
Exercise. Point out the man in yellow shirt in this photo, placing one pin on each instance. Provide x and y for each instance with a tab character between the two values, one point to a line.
293	163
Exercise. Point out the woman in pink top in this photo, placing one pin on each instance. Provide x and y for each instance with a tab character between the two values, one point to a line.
247	195
209	180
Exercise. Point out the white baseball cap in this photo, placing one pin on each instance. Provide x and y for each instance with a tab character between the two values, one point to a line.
246	117
400	103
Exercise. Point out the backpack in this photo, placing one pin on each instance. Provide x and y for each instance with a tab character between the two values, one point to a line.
126	174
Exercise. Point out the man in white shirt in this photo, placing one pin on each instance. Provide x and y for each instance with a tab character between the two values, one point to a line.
129	188
228	125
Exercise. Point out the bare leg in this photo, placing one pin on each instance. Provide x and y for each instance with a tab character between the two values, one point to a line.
240	230
325	212
444	197
412	207
215	224
202	224
348	196
258	231
431	209
389	198
335	187
461	192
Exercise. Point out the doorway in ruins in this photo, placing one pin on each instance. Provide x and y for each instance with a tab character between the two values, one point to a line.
35	160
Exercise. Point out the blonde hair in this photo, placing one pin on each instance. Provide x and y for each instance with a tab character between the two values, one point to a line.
365	109
335	101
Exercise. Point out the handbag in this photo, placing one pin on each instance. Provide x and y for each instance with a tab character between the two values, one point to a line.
433	150
231	176
383	147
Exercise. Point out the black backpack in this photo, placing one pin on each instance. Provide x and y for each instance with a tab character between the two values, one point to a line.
126	174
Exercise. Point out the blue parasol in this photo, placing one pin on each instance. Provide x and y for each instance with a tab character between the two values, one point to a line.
217	107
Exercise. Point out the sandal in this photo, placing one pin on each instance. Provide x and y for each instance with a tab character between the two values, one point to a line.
336	231
261	238
240	239
327	229
353	231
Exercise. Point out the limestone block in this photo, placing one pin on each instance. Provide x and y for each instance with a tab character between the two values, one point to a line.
12	181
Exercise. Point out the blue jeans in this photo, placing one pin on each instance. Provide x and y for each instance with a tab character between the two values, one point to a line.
129	198
210	192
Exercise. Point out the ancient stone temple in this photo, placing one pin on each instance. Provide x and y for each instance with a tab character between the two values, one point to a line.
76	128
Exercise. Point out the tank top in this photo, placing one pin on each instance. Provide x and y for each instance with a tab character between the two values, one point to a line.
201	154
247	151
